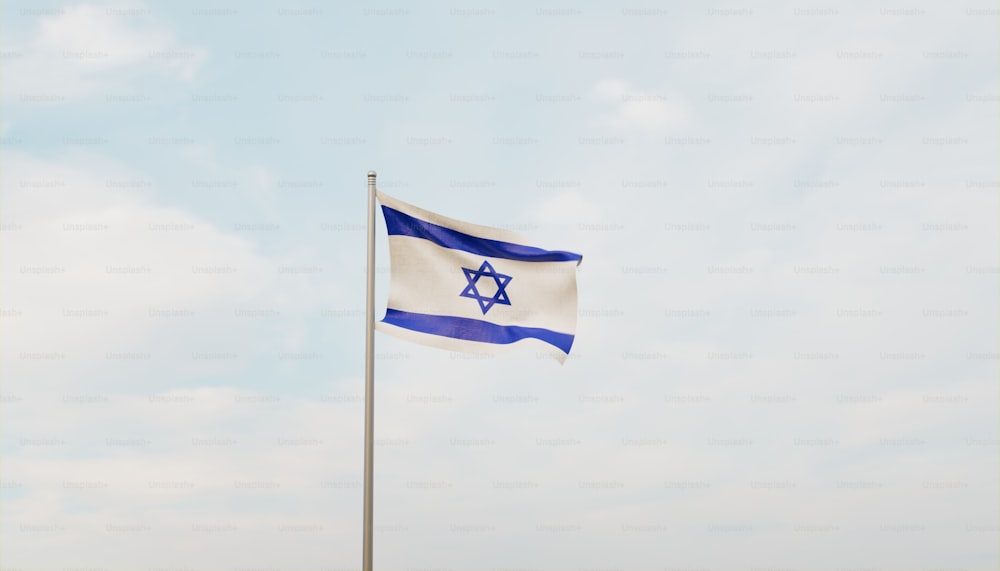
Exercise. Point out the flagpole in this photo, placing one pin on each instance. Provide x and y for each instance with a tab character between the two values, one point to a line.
369	376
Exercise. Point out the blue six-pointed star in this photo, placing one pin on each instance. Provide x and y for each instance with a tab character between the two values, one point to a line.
486	270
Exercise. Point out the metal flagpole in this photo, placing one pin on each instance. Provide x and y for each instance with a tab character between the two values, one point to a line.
369	375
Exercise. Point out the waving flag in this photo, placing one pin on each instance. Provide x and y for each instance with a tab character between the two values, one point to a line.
470	288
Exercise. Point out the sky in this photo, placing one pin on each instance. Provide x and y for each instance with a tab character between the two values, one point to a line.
786	353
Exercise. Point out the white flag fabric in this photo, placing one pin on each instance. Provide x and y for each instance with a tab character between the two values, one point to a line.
470	288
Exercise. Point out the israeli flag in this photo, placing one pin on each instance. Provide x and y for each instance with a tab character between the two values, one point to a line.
470	288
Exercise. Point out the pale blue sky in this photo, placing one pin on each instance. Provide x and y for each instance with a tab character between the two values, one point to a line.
787	348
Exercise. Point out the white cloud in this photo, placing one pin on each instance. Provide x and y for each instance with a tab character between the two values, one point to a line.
82	237
639	109
91	266
87	49
567	206
178	473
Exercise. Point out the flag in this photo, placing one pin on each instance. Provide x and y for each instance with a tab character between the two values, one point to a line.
470	288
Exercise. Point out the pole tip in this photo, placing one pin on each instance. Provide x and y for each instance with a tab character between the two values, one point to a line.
371	174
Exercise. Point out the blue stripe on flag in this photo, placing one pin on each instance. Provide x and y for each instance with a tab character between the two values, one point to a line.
474	329
401	224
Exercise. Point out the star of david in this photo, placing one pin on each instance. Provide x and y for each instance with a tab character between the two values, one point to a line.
487	271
